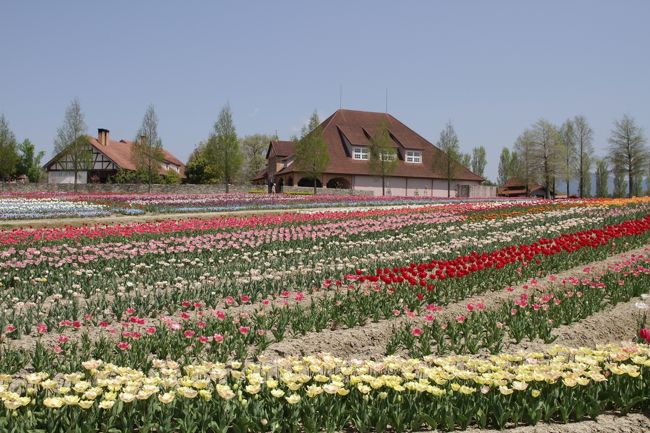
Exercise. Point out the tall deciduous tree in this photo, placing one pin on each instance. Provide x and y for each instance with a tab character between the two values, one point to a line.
449	144
223	147
479	161
525	149
545	139
628	152
568	160
8	151
147	147
602	176
311	153
71	142
504	165
254	147
583	137
383	157
620	184
29	162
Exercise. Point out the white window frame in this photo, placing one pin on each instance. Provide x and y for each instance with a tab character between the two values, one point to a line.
413	156
360	153
388	156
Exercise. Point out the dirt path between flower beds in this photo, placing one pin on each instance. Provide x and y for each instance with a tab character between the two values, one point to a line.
369	341
149	217
632	423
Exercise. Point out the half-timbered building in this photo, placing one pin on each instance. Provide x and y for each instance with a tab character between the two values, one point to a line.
105	158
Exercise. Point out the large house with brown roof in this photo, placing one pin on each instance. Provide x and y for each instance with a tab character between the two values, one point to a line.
108	156
347	134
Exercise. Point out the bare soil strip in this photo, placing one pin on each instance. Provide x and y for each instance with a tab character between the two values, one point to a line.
632	423
370	340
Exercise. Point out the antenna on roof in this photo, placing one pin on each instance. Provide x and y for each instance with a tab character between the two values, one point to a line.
386	100
340	96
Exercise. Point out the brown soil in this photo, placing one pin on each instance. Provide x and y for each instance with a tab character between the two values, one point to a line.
369	341
632	423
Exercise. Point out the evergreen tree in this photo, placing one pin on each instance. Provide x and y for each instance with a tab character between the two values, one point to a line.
311	155
29	163
223	147
8	150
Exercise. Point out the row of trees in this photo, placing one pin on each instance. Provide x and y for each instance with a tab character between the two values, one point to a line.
225	158
18	159
547	154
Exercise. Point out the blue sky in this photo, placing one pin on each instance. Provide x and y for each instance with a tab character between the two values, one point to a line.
491	67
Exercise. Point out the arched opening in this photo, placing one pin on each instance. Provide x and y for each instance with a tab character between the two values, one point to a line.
309	182
339	183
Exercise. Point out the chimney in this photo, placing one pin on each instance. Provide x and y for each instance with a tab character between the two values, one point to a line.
102	136
143	139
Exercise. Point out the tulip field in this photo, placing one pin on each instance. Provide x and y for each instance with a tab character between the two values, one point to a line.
354	314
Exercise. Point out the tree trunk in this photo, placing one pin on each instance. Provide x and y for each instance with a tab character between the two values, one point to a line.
383	190
581	185
629	179
315	185
567	188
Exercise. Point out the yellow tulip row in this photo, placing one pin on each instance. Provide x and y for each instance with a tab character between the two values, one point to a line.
295	379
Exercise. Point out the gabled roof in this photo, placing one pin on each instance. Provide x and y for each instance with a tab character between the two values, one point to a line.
357	125
121	153
280	148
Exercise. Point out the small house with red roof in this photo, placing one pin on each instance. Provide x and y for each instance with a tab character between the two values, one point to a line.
347	134
108	156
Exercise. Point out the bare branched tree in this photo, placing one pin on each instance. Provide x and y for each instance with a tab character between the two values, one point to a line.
71	142
628	152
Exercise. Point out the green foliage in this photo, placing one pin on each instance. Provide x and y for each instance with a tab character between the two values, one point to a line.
139	176
602	174
254	147
311	153
222	148
199	169
29	162
171	177
8	150
479	161
383	156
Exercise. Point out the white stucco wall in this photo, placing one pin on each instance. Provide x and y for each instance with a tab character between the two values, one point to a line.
397	186
66	177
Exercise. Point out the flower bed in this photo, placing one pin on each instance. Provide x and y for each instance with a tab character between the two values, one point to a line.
188	310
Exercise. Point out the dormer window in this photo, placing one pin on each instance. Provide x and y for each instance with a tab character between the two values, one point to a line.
360	153
388	156
413	156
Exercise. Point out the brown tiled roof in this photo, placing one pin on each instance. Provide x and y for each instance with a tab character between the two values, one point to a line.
121	153
281	148
351	125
